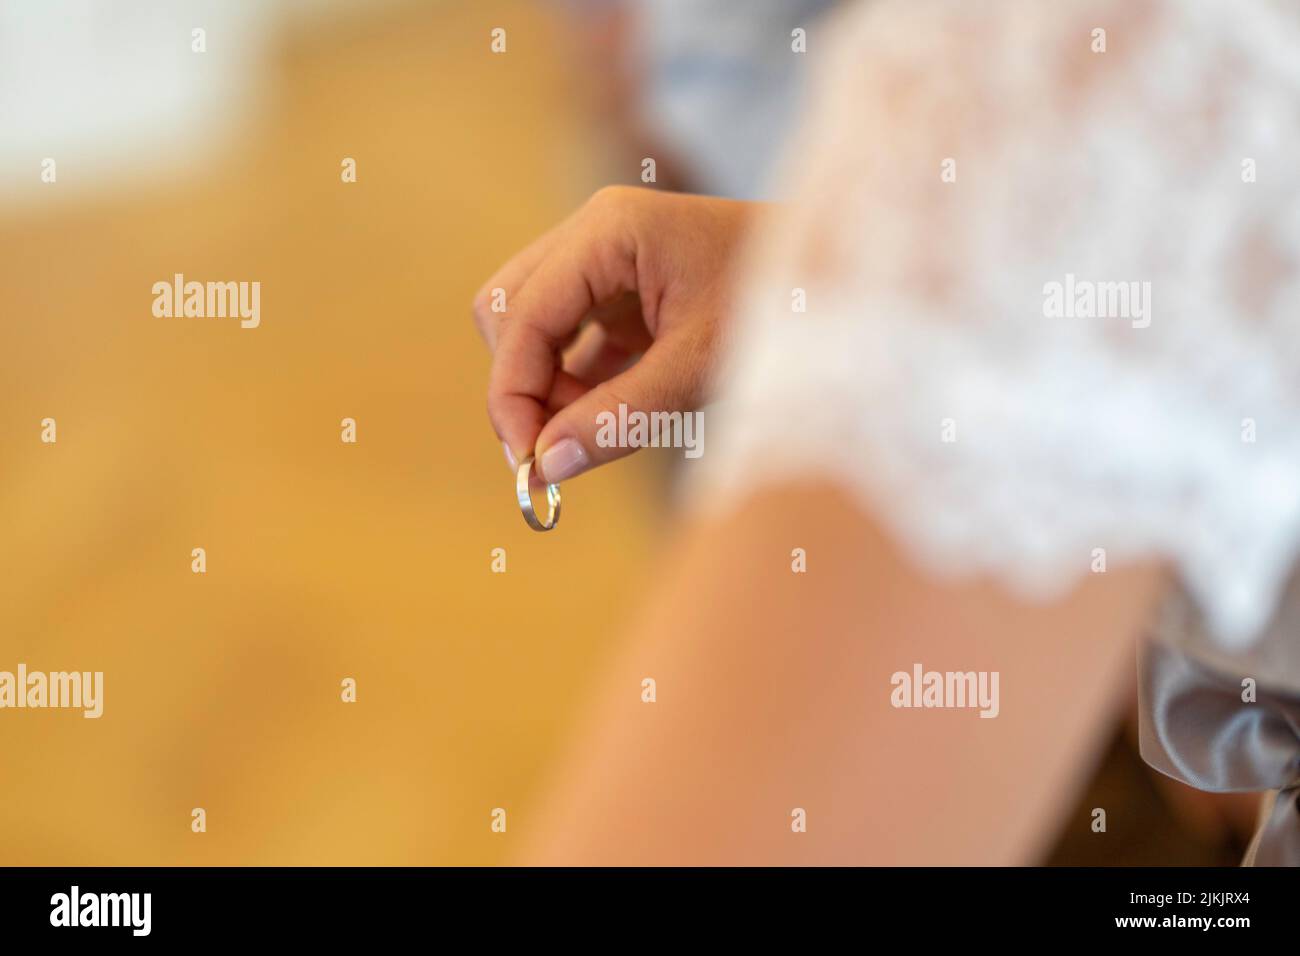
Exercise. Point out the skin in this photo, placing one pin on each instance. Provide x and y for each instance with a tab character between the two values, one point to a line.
773	692
774	688
632	274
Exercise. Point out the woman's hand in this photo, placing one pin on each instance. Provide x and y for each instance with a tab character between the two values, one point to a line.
632	273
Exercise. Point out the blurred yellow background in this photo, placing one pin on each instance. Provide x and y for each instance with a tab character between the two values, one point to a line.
325	560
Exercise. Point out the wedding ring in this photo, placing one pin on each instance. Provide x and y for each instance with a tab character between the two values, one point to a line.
525	496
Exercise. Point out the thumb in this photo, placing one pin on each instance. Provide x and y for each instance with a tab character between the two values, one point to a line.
585	433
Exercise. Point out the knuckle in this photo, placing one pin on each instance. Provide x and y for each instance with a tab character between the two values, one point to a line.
493	405
609	199
610	398
481	304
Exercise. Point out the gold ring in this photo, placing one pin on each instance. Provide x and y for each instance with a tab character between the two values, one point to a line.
525	496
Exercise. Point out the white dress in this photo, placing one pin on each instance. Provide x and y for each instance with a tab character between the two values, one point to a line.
1033	297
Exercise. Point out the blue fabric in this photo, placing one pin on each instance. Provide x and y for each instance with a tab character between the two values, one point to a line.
724	86
1196	728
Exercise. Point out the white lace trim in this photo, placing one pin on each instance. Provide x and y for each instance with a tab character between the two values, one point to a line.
925	298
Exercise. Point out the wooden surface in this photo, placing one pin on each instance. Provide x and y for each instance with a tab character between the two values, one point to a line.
325	560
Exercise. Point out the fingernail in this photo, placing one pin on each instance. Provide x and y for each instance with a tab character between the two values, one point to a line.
510	458
563	460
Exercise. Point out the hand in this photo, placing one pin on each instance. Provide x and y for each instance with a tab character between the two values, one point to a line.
632	273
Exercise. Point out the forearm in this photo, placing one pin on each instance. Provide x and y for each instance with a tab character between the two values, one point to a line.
773	693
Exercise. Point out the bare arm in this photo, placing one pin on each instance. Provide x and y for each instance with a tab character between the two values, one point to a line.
773	693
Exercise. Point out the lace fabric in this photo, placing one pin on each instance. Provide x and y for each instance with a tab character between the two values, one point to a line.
1052	296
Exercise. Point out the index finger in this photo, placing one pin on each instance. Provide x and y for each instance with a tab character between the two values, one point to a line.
509	278
592	264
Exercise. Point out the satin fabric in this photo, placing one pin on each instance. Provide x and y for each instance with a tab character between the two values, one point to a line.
1196	727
